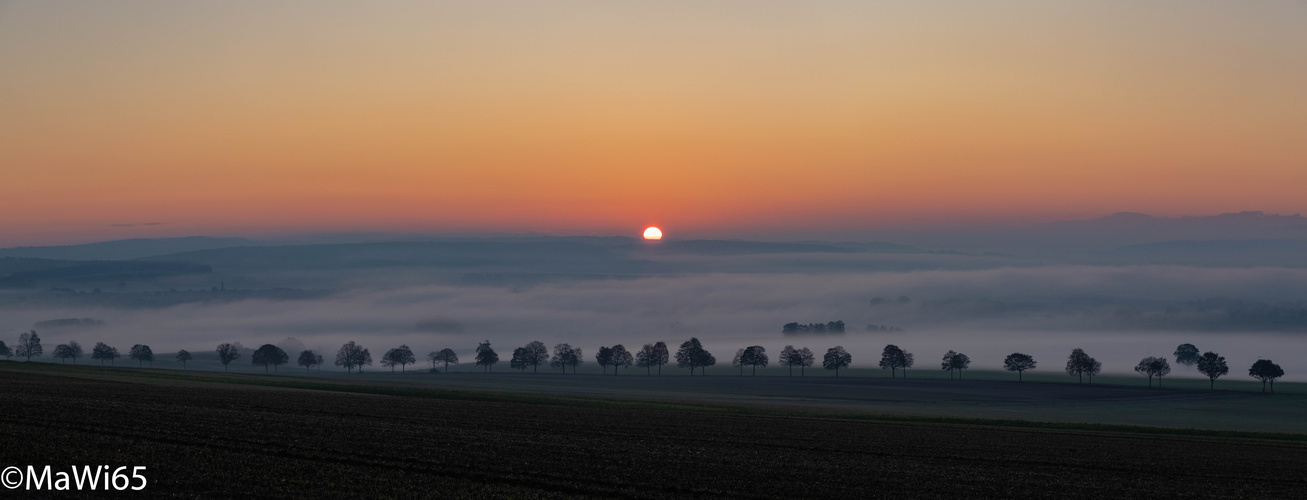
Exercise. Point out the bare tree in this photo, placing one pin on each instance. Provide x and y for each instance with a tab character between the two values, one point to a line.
228	353
806	359
71	350
535	355
652	355
738	360
564	356
1213	366
1153	366
183	356
955	361
446	356
836	358
142	354
754	356
308	360
268	354
1187	355
1092	367
892	357
1078	363
790	358
621	357
402	356
352	355
518	361
692	355
604	357
1017	362
486	356
1264	370
104	352
29	346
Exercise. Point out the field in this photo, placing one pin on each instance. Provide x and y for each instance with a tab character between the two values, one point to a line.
215	435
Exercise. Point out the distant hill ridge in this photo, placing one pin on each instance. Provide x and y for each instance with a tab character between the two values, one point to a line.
128	249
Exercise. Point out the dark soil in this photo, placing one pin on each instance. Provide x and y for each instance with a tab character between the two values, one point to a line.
231	441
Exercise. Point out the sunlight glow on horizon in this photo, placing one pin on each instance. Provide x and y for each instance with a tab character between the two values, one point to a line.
593	117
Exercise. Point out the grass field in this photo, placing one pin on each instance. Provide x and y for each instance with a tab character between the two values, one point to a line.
1236	405
217	435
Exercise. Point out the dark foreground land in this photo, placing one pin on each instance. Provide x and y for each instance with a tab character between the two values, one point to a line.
245	436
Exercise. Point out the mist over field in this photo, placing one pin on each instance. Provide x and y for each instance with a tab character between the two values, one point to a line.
1117	313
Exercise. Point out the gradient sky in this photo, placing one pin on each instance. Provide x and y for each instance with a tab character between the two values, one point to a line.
746	118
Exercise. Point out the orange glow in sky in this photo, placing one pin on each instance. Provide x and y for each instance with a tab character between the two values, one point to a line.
591	117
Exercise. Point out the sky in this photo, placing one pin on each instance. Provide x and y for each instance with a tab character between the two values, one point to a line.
709	119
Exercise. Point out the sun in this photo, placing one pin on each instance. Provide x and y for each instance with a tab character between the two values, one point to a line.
653	233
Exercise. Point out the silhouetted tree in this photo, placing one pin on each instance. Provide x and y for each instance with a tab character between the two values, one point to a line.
268	354
892	357
564	356
955	361
754	356
4	350
1153	366
1078	363
652	355
806	359
183	356
604	357
227	353
1213	366
402	356
29	346
308	360
535	354
104	352
790	358
518	361
1186	354
738	360
142	354
318	361
71	350
621	357
446	356
1017	362
1092	367
486	356
692	355
352	355
1264	370
836	358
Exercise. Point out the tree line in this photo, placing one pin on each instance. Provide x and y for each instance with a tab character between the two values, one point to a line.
690	355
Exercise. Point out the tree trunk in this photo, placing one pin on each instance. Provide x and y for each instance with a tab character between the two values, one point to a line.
1019	375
